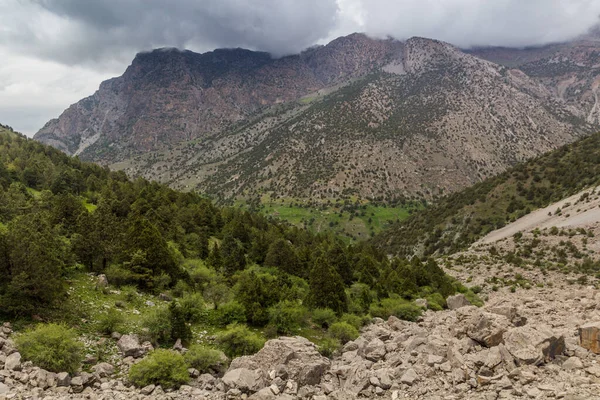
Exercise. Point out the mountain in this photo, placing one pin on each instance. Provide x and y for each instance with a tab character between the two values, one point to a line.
167	96
458	220
358	118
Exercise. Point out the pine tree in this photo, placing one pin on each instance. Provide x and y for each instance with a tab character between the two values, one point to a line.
234	258
327	287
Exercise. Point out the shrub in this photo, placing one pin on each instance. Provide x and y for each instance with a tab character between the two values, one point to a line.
329	346
343	331
238	340
119	276
193	307
398	307
162	367
110	322
354	320
324	317
205	359
230	313
435	301
52	347
287	317
157	326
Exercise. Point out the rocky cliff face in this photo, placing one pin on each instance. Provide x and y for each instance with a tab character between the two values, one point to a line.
168	96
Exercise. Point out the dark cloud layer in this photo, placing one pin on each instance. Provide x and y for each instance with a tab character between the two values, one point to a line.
94	30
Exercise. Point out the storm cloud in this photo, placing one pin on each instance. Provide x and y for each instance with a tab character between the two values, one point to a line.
55	52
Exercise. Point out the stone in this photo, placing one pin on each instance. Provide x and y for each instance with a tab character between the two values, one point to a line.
409	377
101	282
3	389
573	363
165	297
303	363
457	301
129	345
484	328
13	362
375	350
103	370
193	373
243	379
263	394
147	390
115	335
508	309
589	336
421	303
433	359
63	379
178	346
529	345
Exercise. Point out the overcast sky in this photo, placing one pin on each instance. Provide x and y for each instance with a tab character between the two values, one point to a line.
55	52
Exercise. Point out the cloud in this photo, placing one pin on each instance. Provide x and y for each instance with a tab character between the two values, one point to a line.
469	23
55	52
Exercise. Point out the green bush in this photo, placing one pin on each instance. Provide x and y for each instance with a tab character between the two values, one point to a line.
120	276
238	341
343	331
52	347
156	326
110	322
435	302
205	359
355	320
231	313
193	307
323	317
287	317
328	346
398	307
162	367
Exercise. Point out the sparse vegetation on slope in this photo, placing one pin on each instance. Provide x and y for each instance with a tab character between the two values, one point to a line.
459	219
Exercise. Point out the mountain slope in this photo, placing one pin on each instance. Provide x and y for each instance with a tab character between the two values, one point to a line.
358	118
460	219
167	96
435	121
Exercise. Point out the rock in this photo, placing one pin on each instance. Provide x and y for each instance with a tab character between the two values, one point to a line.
433	359
529	345
13	362
303	363
3	389
115	335
243	379
178	346
409	377
507	309
129	346
589	336
263	394
150	303
374	350
457	301
147	390
485	328
101	282
63	379
421	303
193	373
103	370
573	363
165	297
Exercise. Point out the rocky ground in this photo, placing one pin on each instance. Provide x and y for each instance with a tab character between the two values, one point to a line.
524	344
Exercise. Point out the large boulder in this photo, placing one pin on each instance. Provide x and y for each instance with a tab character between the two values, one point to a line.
130	346
509	310
244	379
101	282
533	345
589	336
484	328
296	355
13	362
457	301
